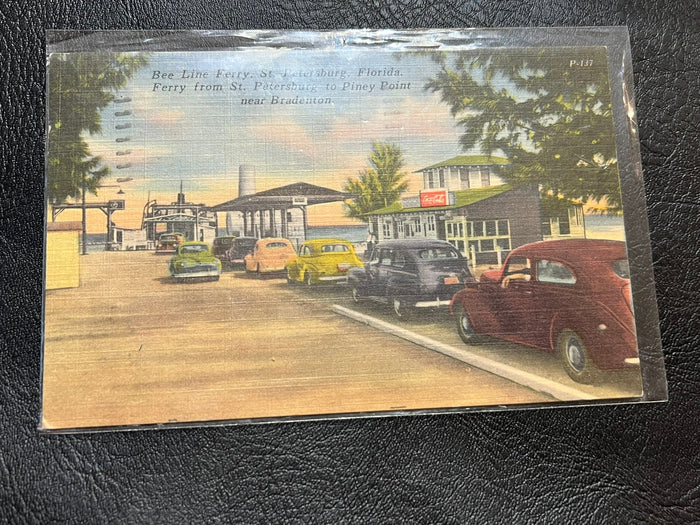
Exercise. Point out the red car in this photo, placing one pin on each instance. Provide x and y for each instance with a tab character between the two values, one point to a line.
566	296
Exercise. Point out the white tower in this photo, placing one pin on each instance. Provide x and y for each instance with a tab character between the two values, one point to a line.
246	186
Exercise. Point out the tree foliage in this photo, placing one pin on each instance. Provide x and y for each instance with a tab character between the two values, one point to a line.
379	185
548	111
81	85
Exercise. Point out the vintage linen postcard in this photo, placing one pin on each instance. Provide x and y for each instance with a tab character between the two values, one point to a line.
264	225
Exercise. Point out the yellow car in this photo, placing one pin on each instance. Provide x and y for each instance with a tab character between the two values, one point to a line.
322	260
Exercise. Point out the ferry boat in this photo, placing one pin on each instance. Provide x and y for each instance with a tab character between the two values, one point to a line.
195	221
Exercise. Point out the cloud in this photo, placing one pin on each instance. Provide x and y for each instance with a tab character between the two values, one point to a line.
286	133
411	117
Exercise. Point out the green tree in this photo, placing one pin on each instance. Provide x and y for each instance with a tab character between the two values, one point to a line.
81	85
379	185
548	111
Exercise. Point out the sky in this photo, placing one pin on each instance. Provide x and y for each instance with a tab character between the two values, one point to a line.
183	129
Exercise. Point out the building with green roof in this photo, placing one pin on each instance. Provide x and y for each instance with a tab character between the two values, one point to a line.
466	202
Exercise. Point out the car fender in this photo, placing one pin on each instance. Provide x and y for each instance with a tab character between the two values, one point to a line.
292	268
311	268
461	298
358	278
402	286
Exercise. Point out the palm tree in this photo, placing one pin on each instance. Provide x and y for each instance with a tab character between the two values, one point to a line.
80	86
378	186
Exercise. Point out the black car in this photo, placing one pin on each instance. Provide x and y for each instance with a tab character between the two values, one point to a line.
411	274
240	247
221	245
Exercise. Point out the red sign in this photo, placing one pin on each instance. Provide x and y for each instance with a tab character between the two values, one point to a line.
430	199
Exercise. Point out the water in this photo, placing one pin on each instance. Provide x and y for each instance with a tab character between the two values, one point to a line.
597	227
605	227
352	233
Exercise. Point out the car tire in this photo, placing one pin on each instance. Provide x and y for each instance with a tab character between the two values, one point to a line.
465	329
308	279
575	357
289	278
400	308
355	294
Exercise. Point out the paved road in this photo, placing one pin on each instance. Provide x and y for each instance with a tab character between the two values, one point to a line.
129	346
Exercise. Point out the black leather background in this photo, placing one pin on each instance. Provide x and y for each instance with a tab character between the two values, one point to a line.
597	465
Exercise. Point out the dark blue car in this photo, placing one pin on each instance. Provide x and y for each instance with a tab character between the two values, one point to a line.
410	274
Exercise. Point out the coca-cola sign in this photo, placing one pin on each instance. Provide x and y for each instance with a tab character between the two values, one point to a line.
429	199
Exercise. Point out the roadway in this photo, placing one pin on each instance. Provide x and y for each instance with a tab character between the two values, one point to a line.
131	347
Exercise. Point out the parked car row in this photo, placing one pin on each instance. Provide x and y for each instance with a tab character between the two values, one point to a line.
570	297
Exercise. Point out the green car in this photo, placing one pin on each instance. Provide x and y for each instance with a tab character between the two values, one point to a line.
193	260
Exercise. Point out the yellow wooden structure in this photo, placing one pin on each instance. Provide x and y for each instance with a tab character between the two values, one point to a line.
62	255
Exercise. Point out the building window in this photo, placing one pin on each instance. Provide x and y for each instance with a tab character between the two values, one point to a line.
386	229
432	179
463	178
430	226
489	235
441	174
490	227
564	228
575	216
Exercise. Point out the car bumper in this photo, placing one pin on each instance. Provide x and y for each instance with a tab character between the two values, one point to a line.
272	269
192	275
334	278
433	303
196	271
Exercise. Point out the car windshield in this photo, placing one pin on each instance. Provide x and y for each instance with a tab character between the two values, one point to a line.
333	248
168	237
437	253
223	242
621	268
194	248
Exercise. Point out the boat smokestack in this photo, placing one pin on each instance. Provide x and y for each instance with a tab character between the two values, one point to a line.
246	180
181	195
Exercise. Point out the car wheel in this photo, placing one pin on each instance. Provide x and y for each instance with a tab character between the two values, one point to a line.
401	309
308	280
289	278
575	358
465	329
356	297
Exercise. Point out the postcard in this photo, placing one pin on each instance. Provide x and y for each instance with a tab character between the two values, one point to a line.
268	226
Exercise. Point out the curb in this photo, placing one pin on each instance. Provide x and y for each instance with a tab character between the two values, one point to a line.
535	382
